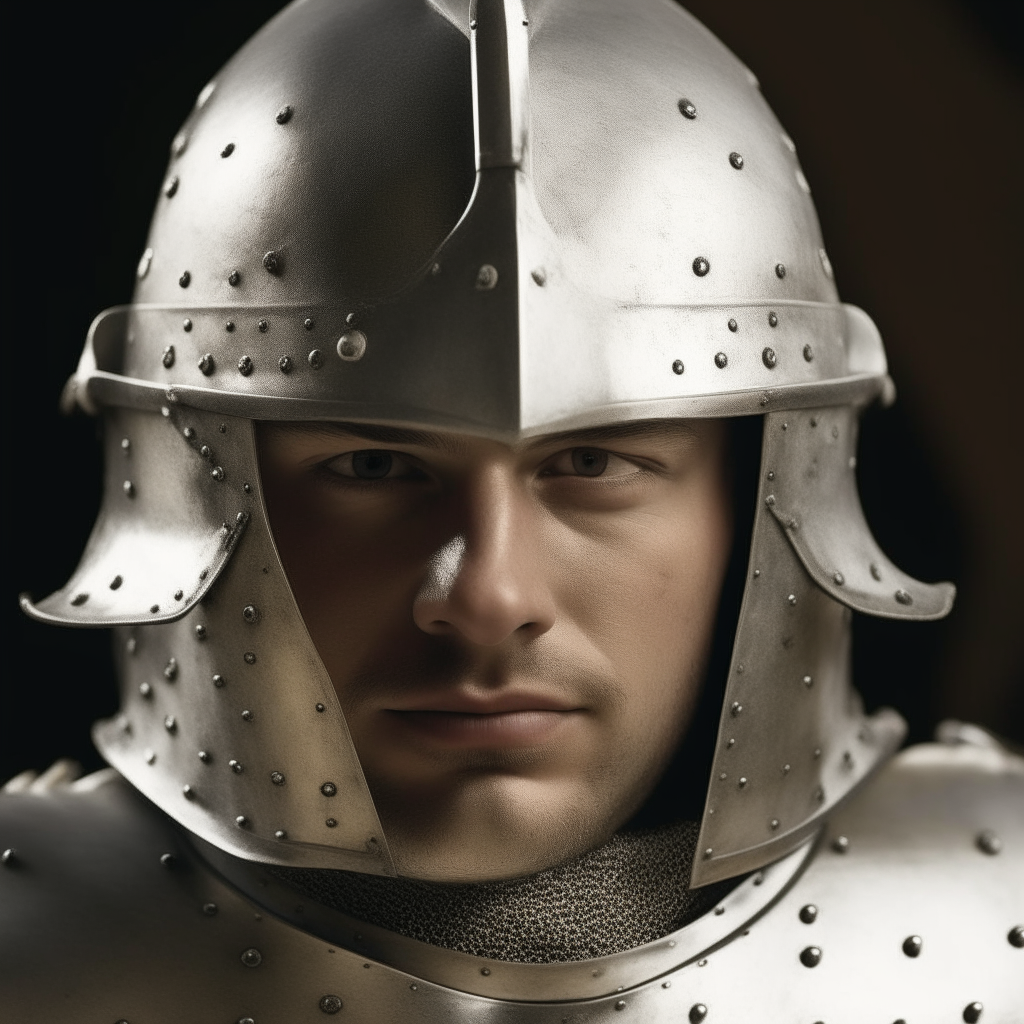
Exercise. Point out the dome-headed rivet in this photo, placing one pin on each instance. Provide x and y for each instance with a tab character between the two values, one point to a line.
217	473
485	971
817	753
539	275
187	792
721	360
170	724
234	277
733	326
262	326
218	681
350	319
284	364
204	757
308	323
320	708
280	834
236	766
770	500
329	789
168	357
486	278
352	346
677	366
150	757
736	160
171	186
116	582
620	1004
1015	936
331	823
808	353
808	913
769	358
206	365
145	690
245	366
707	853
273	263
912	945
988	842
786	769
742	784
736	709
242	821
811	956
972	1013
154	608
277	778
841	844
284	115
247	716
902	597
186	325
189	433
228	150
698	1012
687	109
876	573
179	594
247	488
330	1004
185	279
168	860
808	681
316	359
773	824
145	261
791	599
780	270
205	451
773	319
210	909
252	958
838	579
249	657
701	266
171	670
251	613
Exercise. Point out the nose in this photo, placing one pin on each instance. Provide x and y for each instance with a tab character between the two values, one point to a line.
487	582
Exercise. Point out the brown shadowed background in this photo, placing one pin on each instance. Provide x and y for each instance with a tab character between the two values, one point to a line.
908	119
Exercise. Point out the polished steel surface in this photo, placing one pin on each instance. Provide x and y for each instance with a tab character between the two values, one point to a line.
574	217
181	943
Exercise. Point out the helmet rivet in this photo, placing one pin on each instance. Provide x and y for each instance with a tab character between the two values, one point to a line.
736	709
320	708
179	594
701	266
698	1012
229	326
838	579
620	1004
780	270
539	275
284	115
742	783
352	346
171	670
329	789
912	945
247	488
316	359
247	716
171	186
187	792
145	690
902	597
1015	936
217	473
988	842
687	109
972	1012
150	757
284	364
330	1004
251	957
206	365
826	263
841	844
708	852
168	357
811	956
116	582
808	353
809	913
277	778
185	279
170	724
331	823
733	326
308	323
250	613
144	263
249	658
272	262
245	365
791	599
204	757
262	326
876	573
210	909
786	769
773	320
234	277
721	360
736	160
486	278
769	358
228	150
236	767
677	366
218	681
280	834
808	681
773	824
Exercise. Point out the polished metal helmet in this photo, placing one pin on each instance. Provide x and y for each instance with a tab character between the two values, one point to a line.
505	219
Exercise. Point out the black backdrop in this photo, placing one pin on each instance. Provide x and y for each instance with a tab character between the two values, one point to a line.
95	94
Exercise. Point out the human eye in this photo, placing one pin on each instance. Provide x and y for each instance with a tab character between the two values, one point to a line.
589	462
373	464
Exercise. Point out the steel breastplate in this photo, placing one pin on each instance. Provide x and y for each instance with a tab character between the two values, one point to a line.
904	907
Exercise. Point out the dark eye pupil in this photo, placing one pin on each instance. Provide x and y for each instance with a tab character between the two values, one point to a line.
371	465
589	461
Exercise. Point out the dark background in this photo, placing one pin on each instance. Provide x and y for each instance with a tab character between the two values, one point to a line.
907	115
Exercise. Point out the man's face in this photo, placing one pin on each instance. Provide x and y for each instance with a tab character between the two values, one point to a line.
517	634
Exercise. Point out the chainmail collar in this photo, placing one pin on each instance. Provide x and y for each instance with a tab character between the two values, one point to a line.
631	891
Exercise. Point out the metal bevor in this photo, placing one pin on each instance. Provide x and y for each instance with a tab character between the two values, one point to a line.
505	220
908	907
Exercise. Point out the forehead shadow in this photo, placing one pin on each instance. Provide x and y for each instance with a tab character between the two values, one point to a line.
686	429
